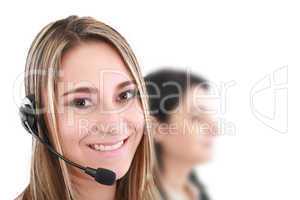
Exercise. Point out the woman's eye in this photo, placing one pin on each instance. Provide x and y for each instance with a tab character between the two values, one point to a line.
81	103
127	95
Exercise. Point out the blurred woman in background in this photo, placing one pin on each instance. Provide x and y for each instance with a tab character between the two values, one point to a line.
184	130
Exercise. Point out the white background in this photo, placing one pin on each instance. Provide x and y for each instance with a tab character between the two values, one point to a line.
240	41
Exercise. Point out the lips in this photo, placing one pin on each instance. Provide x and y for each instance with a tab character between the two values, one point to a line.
106	147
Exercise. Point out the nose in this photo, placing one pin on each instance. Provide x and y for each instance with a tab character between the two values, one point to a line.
107	118
109	123
213	126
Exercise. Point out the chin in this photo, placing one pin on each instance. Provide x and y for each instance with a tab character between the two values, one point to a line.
121	172
120	166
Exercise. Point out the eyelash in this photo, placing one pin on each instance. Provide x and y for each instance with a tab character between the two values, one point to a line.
77	102
134	93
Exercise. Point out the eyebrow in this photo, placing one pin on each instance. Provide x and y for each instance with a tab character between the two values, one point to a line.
81	89
95	90
125	83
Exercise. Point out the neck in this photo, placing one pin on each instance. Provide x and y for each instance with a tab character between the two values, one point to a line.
175	173
87	188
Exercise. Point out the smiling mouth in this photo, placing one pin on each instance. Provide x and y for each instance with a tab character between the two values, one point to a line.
107	147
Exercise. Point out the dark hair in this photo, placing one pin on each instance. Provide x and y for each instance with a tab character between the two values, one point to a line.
169	83
173	83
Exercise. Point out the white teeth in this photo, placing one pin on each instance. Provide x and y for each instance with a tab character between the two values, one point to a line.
100	147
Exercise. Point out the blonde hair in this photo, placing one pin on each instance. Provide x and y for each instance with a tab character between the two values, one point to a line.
49	176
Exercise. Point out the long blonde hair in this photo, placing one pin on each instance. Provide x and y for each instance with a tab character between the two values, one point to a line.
49	176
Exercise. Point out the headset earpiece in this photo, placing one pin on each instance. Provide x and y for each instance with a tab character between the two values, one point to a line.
28	114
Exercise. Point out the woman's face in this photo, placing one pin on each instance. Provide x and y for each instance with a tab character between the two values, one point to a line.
100	118
188	135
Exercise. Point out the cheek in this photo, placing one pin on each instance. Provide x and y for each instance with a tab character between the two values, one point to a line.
186	144
136	122
134	116
175	144
71	132
202	150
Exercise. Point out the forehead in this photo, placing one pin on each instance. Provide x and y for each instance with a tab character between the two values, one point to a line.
92	61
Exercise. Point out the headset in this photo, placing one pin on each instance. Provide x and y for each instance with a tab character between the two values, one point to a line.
31	120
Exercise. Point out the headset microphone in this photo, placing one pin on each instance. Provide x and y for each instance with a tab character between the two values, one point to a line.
30	122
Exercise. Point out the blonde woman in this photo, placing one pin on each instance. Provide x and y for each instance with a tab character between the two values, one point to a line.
89	92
